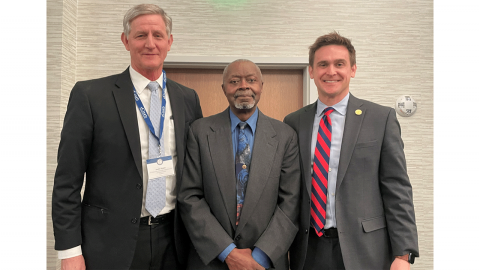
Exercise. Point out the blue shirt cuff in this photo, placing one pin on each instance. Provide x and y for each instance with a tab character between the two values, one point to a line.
226	251
261	258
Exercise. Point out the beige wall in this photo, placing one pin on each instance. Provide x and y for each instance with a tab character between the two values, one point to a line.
394	43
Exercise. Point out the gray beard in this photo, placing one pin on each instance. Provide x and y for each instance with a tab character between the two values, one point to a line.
244	106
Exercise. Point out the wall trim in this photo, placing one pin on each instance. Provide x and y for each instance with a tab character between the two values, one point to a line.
219	62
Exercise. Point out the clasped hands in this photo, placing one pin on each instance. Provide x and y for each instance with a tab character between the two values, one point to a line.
241	259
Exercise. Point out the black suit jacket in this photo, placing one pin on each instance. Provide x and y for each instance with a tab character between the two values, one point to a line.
100	139
373	201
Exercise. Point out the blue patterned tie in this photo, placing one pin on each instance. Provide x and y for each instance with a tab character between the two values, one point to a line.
156	188
242	166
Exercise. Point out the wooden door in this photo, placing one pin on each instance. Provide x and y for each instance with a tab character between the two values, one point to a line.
282	89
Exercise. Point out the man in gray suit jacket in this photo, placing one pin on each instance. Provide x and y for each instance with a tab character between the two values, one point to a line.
356	199
233	223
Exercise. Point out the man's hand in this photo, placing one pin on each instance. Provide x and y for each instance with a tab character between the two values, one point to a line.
74	263
241	259
399	264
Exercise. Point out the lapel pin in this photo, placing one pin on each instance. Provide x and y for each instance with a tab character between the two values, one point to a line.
358	112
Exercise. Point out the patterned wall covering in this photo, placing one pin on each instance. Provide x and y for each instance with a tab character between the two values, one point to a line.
61	65
393	40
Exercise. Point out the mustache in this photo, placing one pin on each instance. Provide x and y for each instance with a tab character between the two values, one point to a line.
244	93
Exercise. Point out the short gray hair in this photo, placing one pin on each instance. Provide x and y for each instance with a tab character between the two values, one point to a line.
144	9
241	60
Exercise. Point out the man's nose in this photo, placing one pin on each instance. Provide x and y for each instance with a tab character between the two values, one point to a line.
149	42
244	84
331	70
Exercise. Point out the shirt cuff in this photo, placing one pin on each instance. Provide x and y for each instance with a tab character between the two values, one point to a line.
225	252
69	253
261	258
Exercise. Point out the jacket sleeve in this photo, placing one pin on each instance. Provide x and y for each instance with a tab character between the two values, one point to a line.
206	233
73	154
396	191
282	229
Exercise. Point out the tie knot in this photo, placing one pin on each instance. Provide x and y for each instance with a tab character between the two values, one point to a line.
242	125
328	111
153	86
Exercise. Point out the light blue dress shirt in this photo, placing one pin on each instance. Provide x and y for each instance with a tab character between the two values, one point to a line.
249	132
338	124
258	255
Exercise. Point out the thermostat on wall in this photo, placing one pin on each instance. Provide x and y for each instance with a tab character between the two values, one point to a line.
405	106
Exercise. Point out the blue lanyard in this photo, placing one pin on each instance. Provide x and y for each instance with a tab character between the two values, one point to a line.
144	112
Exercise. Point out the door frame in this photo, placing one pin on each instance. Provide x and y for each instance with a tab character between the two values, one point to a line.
219	62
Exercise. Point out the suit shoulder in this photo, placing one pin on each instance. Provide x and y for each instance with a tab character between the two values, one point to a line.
183	88
301	110
98	81
203	123
95	87
374	110
293	118
375	106
374	115
280	127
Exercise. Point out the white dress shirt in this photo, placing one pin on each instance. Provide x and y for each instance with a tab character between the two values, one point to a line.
140	83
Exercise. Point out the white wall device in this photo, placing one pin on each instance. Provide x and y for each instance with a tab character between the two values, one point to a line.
405	106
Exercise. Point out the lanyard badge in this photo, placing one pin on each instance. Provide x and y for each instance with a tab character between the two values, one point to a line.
143	111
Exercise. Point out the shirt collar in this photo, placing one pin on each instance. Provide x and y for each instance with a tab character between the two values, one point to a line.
252	121
140	82
340	107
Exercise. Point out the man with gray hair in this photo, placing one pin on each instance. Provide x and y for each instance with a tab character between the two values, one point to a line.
240	188
125	134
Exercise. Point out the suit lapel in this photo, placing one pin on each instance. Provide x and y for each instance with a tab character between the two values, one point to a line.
264	150
123	96
353	123
221	149
305	143
178	114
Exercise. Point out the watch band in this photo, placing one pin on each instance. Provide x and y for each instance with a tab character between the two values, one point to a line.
407	257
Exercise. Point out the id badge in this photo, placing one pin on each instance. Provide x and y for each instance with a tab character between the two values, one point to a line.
160	167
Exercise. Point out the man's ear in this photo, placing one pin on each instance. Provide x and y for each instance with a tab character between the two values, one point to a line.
223	88
354	70
310	70
125	41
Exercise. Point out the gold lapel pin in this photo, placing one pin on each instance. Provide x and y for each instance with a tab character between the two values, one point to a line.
358	112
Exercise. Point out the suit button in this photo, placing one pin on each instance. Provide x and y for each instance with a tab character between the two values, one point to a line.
134	220
306	231
238	238
139	186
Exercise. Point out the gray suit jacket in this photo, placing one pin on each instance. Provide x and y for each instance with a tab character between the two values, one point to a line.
374	207
100	140
207	199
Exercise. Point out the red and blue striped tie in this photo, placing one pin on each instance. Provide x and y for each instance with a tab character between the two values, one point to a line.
320	172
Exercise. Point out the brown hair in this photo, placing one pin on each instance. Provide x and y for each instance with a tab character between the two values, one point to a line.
332	38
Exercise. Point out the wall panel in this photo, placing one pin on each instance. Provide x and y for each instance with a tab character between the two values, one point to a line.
394	43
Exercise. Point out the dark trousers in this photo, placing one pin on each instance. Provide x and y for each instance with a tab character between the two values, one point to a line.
155	246
323	253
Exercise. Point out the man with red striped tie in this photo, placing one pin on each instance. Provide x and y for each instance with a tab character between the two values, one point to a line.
357	207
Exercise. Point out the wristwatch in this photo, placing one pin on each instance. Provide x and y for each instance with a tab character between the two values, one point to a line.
407	257
411	258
